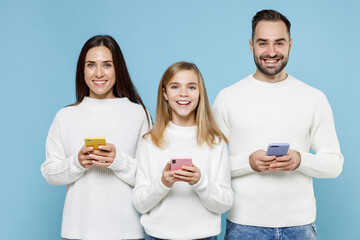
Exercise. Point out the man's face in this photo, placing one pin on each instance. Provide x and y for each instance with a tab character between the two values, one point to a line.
271	46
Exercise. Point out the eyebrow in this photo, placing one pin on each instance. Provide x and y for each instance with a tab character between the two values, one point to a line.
106	61
266	40
179	83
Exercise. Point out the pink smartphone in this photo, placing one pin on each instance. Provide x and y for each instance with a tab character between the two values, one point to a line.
178	162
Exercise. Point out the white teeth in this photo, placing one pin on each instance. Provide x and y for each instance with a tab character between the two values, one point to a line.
183	102
99	82
270	61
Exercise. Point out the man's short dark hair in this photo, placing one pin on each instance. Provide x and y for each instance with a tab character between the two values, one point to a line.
269	15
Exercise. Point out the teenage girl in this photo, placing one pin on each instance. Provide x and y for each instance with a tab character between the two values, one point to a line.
98	182
186	203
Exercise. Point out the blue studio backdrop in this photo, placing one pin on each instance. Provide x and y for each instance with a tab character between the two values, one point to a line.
40	43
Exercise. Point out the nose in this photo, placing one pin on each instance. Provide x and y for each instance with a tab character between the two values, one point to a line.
183	92
99	72
271	50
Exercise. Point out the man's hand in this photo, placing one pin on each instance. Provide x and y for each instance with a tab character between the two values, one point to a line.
259	162
288	162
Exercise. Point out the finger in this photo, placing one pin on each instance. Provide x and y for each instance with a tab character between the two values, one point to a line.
83	157
266	158
167	167
101	158
101	164
101	153
279	165
86	150
183	173
189	168
108	147
88	165
85	162
183	178
286	157
267	163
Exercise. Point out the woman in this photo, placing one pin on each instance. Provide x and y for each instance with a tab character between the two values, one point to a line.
99	182
186	203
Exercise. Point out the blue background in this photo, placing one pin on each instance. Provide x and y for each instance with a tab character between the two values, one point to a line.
40	43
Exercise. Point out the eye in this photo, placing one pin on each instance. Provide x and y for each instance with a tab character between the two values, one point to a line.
107	65
279	44
174	87
262	44
192	87
90	65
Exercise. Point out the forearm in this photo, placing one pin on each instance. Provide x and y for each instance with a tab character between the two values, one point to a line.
216	197
62	172
145	197
124	167
240	165
321	165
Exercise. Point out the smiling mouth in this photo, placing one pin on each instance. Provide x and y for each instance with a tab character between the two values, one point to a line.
99	82
183	103
271	60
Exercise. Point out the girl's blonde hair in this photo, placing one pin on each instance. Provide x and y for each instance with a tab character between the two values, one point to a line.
207	130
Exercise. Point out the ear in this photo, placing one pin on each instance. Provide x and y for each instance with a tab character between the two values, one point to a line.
251	46
165	95
290	44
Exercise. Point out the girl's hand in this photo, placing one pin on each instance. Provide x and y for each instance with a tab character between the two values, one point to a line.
188	174
84	158
105	156
167	177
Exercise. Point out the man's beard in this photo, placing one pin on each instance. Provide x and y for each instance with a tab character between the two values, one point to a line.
272	71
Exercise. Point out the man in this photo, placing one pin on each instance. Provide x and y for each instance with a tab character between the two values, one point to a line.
273	196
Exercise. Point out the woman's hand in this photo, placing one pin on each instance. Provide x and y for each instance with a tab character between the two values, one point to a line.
188	174
105	156
84	158
167	177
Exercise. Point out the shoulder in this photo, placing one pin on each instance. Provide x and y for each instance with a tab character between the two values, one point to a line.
233	89
309	93
66	112
134	108
227	95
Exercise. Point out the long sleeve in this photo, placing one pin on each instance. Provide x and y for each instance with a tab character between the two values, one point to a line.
216	195
147	193
59	169
124	166
328	161
239	163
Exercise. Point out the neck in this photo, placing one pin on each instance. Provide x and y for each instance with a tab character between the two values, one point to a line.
184	121
270	78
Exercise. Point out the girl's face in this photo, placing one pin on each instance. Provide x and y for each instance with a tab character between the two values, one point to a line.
182	94
99	72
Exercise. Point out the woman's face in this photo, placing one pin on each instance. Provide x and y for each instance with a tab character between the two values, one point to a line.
99	72
182	94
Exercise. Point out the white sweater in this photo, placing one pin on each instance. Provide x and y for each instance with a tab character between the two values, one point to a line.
183	211
98	199
252	114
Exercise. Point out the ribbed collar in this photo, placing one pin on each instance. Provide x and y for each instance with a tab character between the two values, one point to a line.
177	130
101	104
275	85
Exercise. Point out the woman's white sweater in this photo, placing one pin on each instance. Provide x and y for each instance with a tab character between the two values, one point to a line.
97	204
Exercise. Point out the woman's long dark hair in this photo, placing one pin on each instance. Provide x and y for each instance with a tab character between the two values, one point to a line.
123	85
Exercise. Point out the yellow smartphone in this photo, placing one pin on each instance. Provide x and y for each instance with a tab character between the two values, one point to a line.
95	142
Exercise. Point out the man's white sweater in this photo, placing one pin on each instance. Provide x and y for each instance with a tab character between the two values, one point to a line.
182	211
98	199
252	114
